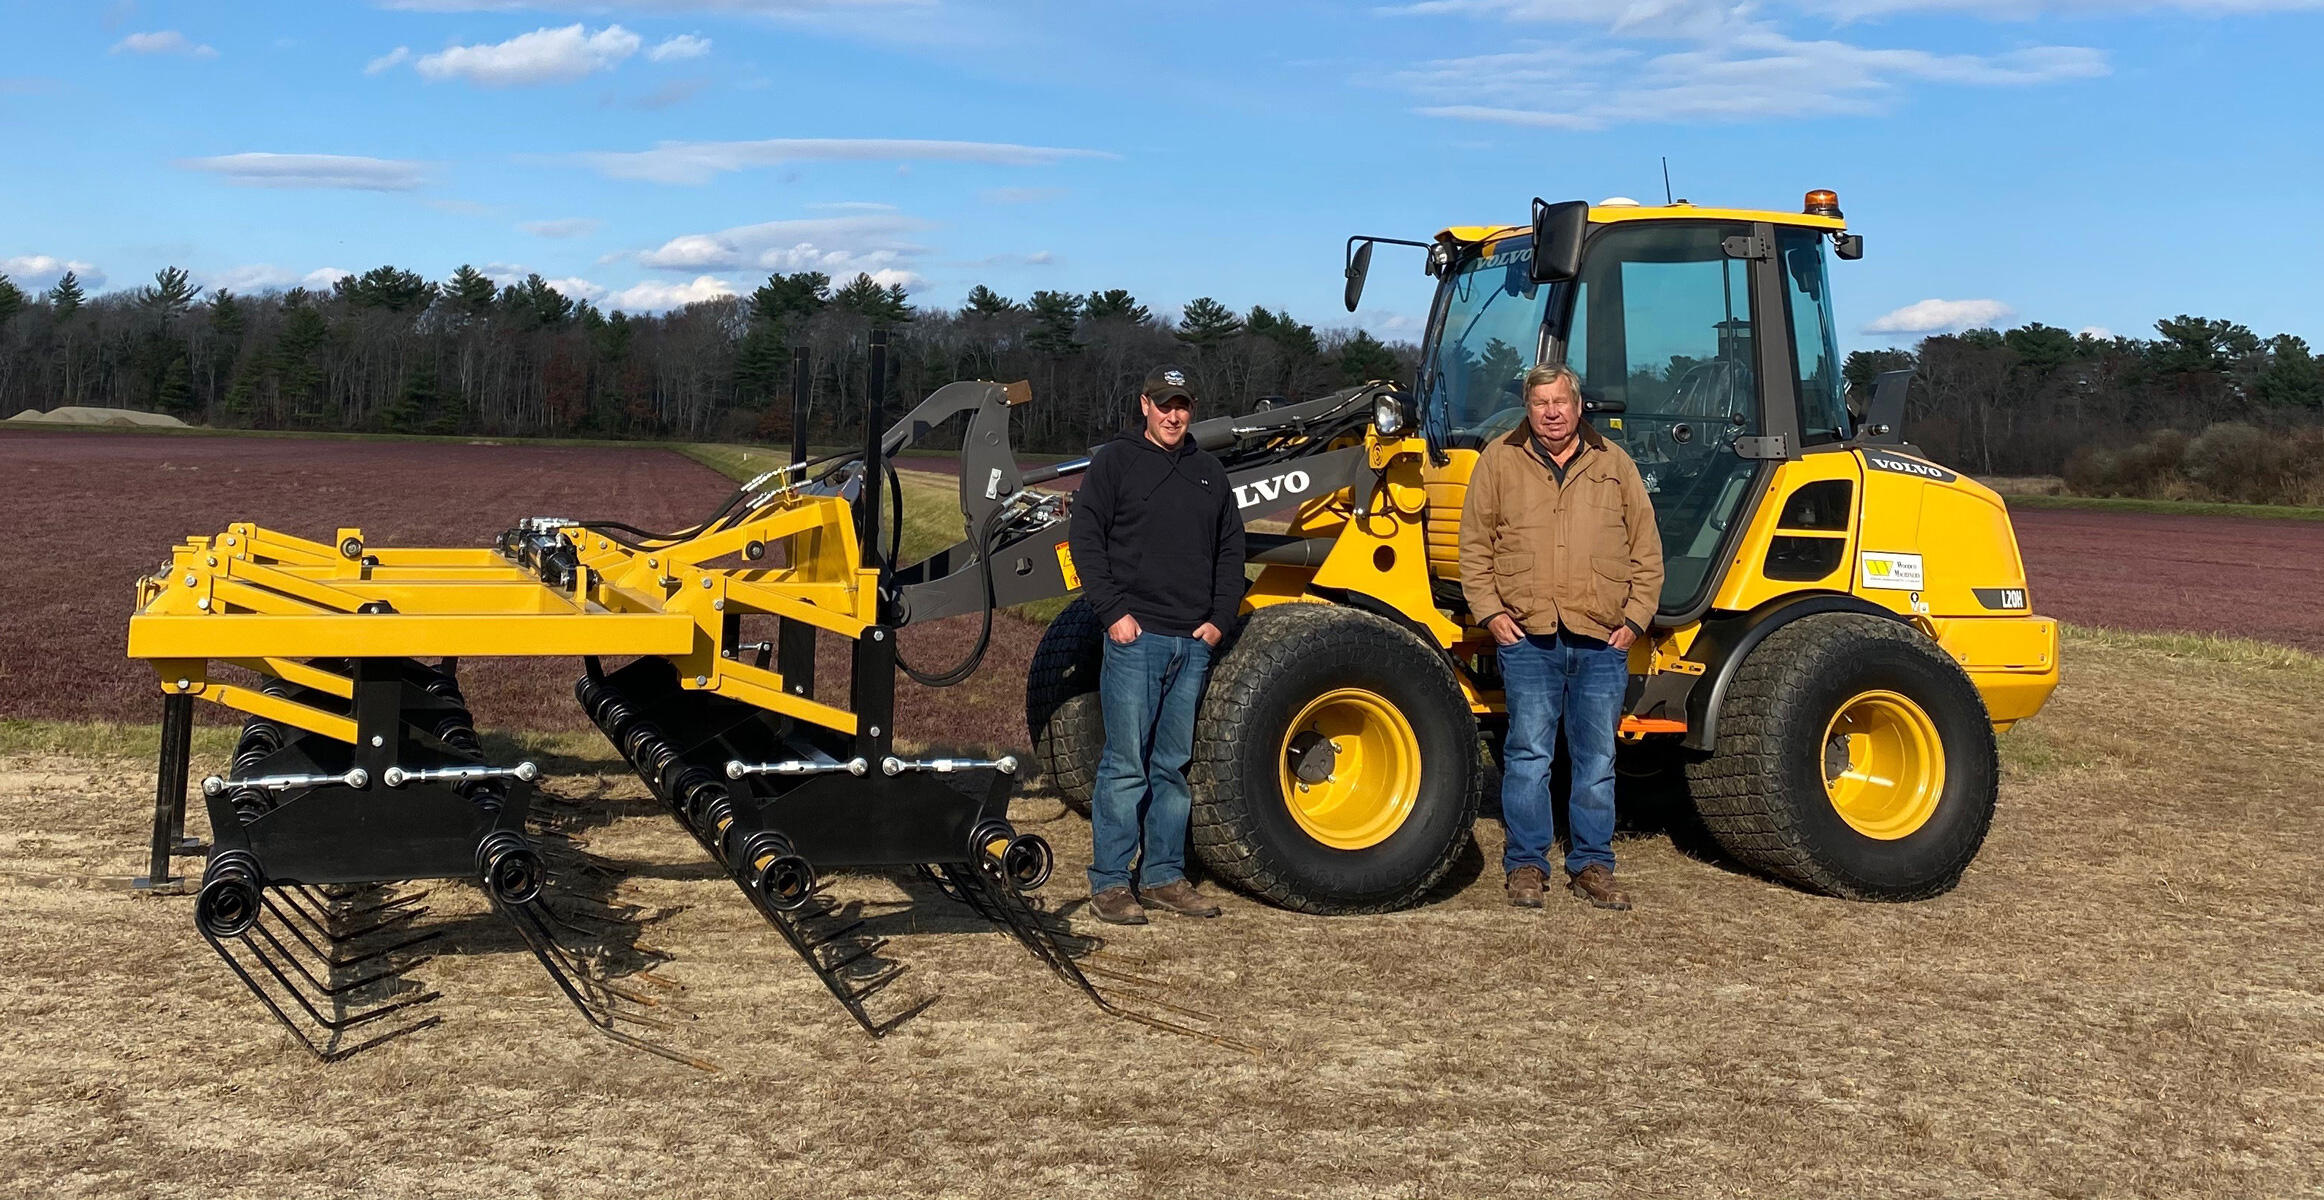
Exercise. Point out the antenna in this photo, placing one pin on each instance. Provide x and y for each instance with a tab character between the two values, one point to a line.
1666	180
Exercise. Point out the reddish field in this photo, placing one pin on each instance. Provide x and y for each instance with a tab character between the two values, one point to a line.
2230	576
90	513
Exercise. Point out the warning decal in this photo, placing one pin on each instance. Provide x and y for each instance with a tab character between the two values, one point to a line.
1065	565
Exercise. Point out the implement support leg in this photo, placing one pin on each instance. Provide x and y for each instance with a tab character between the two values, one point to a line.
169	792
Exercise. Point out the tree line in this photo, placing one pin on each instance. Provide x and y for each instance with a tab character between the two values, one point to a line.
392	351
2026	401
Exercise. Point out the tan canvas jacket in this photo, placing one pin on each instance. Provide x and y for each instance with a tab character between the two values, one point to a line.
1585	555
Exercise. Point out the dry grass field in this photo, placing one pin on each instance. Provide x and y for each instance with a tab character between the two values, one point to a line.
2122	999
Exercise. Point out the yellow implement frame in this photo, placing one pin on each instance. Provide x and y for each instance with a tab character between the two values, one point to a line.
264	601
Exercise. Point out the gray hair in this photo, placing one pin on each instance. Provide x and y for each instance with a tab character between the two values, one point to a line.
1549	373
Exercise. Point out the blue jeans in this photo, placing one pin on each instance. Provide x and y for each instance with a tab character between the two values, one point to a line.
1148	691
1582	680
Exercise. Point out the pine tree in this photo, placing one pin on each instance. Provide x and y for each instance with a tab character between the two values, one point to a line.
2292	378
1206	322
1055	315
985	302
864	297
176	393
386	287
226	315
11	299
784	298
1115	304
470	293
415	407
1362	358
65	298
172	292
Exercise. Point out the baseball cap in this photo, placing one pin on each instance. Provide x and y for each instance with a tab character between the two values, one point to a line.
1165	383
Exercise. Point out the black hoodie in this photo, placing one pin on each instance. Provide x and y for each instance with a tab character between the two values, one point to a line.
1157	535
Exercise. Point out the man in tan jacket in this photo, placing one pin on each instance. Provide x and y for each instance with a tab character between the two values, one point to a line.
1561	563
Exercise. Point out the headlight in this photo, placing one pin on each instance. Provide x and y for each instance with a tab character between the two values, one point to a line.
1387	414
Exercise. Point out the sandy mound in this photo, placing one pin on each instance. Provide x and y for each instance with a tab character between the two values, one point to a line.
81	414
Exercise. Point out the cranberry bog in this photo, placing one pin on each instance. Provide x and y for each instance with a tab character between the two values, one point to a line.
2120	999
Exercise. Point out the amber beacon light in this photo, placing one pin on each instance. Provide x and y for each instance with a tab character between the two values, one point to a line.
1823	203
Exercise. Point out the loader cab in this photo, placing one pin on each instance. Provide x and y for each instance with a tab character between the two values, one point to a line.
1705	344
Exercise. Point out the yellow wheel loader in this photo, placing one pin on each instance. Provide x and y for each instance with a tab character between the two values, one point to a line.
1844	627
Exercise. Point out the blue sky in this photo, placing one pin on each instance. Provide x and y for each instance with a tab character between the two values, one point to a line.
2079	162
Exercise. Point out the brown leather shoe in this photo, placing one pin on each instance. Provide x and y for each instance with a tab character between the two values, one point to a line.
1524	885
1179	896
1116	906
1595	884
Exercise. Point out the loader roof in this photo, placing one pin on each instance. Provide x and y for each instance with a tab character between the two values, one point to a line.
1609	213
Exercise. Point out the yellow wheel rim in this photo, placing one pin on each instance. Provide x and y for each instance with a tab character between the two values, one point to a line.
1350	769
1884	766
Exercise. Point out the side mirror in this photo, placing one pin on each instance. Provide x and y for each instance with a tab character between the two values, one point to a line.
1884	417
1557	239
1849	246
1359	266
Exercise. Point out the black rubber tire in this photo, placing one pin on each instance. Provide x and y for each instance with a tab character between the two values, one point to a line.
1061	708
1761	792
1244	833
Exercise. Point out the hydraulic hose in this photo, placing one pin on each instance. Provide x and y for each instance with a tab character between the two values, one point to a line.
986	538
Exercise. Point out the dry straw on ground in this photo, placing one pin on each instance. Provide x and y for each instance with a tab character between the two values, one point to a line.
2121	999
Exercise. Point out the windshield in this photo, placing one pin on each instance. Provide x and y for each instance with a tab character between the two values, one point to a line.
1491	314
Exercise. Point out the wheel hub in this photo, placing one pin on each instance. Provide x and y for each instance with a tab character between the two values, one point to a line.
1884	765
1350	768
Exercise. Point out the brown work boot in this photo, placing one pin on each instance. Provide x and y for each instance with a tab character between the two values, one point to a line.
1179	896
1116	906
1524	885
1596	884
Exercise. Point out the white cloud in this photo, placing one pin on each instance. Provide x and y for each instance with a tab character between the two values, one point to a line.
259	277
388	61
685	45
1942	316
578	288
654	296
41	271
542	56
1744	74
165	41
313	171
562	227
833	245
889	277
2100	332
700	162
767	8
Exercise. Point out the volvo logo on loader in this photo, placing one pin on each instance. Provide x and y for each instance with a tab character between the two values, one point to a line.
1263	491
1907	466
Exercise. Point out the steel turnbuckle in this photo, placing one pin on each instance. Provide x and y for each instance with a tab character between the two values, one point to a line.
739	769
354	777
396	777
1005	764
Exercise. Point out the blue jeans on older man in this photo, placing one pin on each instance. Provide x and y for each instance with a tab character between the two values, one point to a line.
1148	691
1582	681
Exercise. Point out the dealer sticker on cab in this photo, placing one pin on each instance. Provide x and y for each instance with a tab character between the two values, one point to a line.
1896	572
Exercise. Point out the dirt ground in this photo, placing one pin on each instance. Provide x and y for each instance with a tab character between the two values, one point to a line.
2121	999
2230	576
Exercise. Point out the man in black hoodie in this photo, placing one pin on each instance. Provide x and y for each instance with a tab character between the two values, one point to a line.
1158	542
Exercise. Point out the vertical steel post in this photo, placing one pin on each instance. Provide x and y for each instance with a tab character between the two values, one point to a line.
874	463
169	792
802	379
